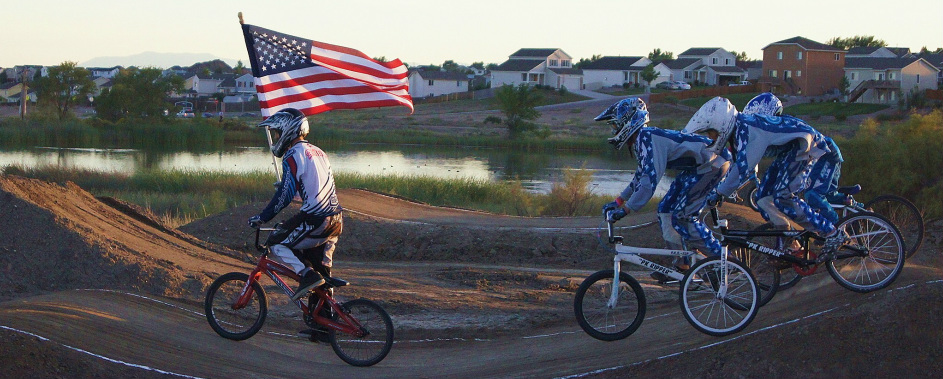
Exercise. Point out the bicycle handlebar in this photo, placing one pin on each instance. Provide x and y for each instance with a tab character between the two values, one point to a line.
259	246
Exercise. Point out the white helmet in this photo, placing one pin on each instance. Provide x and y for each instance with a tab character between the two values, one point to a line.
764	104
717	114
285	125
626	117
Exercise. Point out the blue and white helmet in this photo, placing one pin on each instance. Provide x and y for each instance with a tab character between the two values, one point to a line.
625	117
764	104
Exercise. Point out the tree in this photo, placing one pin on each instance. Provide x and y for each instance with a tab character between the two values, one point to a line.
240	69
657	56
380	59
584	61
741	56
138	93
843	85
856	41
491	66
478	65
65	85
517	104
649	75
450	65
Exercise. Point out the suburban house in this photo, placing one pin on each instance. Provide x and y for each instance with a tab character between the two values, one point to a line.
426	83
613	71
937	61
103	72
883	80
245	84
717	66
800	66
101	83
208	85
548	67
8	90
677	70
878	52
753	69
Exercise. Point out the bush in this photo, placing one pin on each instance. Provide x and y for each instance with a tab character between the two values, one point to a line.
573	196
493	120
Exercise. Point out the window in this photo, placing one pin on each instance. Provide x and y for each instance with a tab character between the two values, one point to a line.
779	55
854	76
787	74
431	82
837	56
687	74
727	61
798	73
566	63
714	60
878	76
893	76
798	55
523	76
918	78
553	63
625	76
772	73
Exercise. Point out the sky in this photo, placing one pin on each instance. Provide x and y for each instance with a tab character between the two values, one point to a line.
432	31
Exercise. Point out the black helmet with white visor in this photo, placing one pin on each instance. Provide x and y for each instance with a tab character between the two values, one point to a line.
285	126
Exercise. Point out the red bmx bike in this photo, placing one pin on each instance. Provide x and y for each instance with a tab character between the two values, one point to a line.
360	331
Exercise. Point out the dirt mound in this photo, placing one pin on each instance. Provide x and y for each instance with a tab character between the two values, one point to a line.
59	237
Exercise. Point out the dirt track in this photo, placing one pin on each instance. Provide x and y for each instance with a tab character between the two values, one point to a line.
127	294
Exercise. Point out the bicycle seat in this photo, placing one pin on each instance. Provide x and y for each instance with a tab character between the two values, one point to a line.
335	282
850	190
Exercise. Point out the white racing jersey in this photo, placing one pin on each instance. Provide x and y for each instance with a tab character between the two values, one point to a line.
306	172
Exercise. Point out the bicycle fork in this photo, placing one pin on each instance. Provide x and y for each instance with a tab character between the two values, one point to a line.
614	296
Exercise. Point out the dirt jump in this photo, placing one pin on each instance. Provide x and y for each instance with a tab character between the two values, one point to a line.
97	288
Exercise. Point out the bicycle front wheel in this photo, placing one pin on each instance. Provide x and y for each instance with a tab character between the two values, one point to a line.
594	314
227	321
905	216
717	299
884	257
376	341
766	274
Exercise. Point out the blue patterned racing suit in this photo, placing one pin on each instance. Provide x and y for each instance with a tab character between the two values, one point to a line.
658	150
313	232
795	147
823	187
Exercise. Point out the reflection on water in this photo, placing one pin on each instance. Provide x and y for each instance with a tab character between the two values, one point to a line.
537	171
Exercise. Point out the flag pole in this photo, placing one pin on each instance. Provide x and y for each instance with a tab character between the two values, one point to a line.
268	135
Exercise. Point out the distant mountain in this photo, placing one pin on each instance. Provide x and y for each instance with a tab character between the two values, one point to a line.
159	60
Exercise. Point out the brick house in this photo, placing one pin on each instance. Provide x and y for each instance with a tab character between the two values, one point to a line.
800	66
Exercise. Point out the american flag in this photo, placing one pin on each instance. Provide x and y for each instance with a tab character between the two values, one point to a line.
315	77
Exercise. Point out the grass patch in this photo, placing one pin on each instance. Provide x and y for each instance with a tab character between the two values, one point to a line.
739	100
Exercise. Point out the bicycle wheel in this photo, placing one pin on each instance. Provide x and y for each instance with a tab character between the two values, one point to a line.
234	324
593	313
884	258
377	340
708	308
766	274
905	216
751	199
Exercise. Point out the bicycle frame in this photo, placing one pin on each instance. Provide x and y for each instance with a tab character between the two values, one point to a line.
272	269
632	254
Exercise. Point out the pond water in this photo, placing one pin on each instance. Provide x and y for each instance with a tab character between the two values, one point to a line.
537	171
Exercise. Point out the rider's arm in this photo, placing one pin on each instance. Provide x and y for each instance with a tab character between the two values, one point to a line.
651	167
284	193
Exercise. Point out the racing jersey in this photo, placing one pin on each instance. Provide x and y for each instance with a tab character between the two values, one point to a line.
306	172
659	150
759	135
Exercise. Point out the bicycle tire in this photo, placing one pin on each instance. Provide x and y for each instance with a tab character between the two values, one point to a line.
372	347
714	316
593	314
905	216
885	258
234	324
767	275
751	199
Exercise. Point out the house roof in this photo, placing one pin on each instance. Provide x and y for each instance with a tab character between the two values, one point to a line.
749	64
868	50
727	69
700	51
613	63
934	59
441	75
806	44
518	65
535	53
879	63
8	85
567	71
677	64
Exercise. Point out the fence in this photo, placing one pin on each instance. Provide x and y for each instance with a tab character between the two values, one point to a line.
702	92
935	94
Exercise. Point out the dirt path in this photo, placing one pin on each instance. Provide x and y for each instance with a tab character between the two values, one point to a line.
95	292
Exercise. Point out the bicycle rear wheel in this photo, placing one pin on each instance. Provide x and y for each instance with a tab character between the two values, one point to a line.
711	311
593	313
377	340
884	258
234	324
905	216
